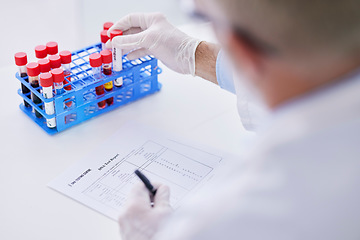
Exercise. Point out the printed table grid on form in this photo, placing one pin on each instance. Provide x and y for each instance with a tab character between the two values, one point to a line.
160	164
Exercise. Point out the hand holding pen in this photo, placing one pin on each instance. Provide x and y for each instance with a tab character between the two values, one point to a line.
141	219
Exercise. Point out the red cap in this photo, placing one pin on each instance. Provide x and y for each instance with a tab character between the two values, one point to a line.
55	61
46	80
44	65
107	25
104	37
52	48
65	57
95	60
58	75
33	69
20	59
115	33
106	56
40	51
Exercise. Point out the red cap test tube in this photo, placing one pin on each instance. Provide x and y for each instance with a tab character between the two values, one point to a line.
46	82
40	51
58	76
95	63
21	61
52	48
33	70
106	57
117	57
104	38
107	25
55	61
65	57
44	65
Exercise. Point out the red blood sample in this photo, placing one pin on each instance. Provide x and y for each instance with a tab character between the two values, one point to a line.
100	90
52	48
107	70
40	51
107	25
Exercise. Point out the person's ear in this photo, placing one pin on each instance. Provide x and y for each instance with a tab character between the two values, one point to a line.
245	55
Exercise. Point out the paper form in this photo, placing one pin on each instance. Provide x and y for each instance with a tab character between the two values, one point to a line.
103	179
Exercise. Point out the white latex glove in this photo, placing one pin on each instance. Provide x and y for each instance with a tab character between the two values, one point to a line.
140	221
151	34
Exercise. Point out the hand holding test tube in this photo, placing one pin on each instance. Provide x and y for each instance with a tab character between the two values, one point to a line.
117	58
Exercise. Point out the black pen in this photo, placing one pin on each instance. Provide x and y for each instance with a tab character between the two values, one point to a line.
146	181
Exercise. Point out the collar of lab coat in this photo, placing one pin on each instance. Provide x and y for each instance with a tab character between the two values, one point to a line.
320	110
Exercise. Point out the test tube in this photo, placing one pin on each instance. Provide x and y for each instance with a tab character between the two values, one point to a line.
58	77
95	63
21	61
46	82
44	65
65	63
33	70
117	58
40	51
55	61
52	48
106	67
107	25
104	38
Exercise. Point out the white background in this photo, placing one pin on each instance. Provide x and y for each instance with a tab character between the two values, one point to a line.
29	158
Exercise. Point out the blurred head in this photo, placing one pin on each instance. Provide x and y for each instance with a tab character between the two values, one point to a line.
288	47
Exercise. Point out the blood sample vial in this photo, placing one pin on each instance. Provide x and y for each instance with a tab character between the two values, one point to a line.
106	67
21	61
117	58
55	61
65	57
46	82
107	25
44	65
58	76
95	63
104	38
40	51
33	70
52	48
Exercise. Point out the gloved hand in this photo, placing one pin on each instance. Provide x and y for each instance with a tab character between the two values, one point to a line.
139	220
152	34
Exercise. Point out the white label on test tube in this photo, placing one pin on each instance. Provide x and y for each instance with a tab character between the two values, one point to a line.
49	107
117	65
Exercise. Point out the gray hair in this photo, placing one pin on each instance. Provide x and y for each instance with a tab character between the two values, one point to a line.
300	26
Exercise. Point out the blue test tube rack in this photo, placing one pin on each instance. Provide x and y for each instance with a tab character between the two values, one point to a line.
140	79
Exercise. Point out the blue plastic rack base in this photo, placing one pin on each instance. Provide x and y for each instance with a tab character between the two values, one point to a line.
140	79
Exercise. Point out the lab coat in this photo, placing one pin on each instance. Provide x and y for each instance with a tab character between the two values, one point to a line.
300	180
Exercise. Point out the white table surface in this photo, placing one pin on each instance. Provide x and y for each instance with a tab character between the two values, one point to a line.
30	158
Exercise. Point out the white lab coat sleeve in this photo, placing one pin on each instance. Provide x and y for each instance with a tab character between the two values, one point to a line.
251	112
224	73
